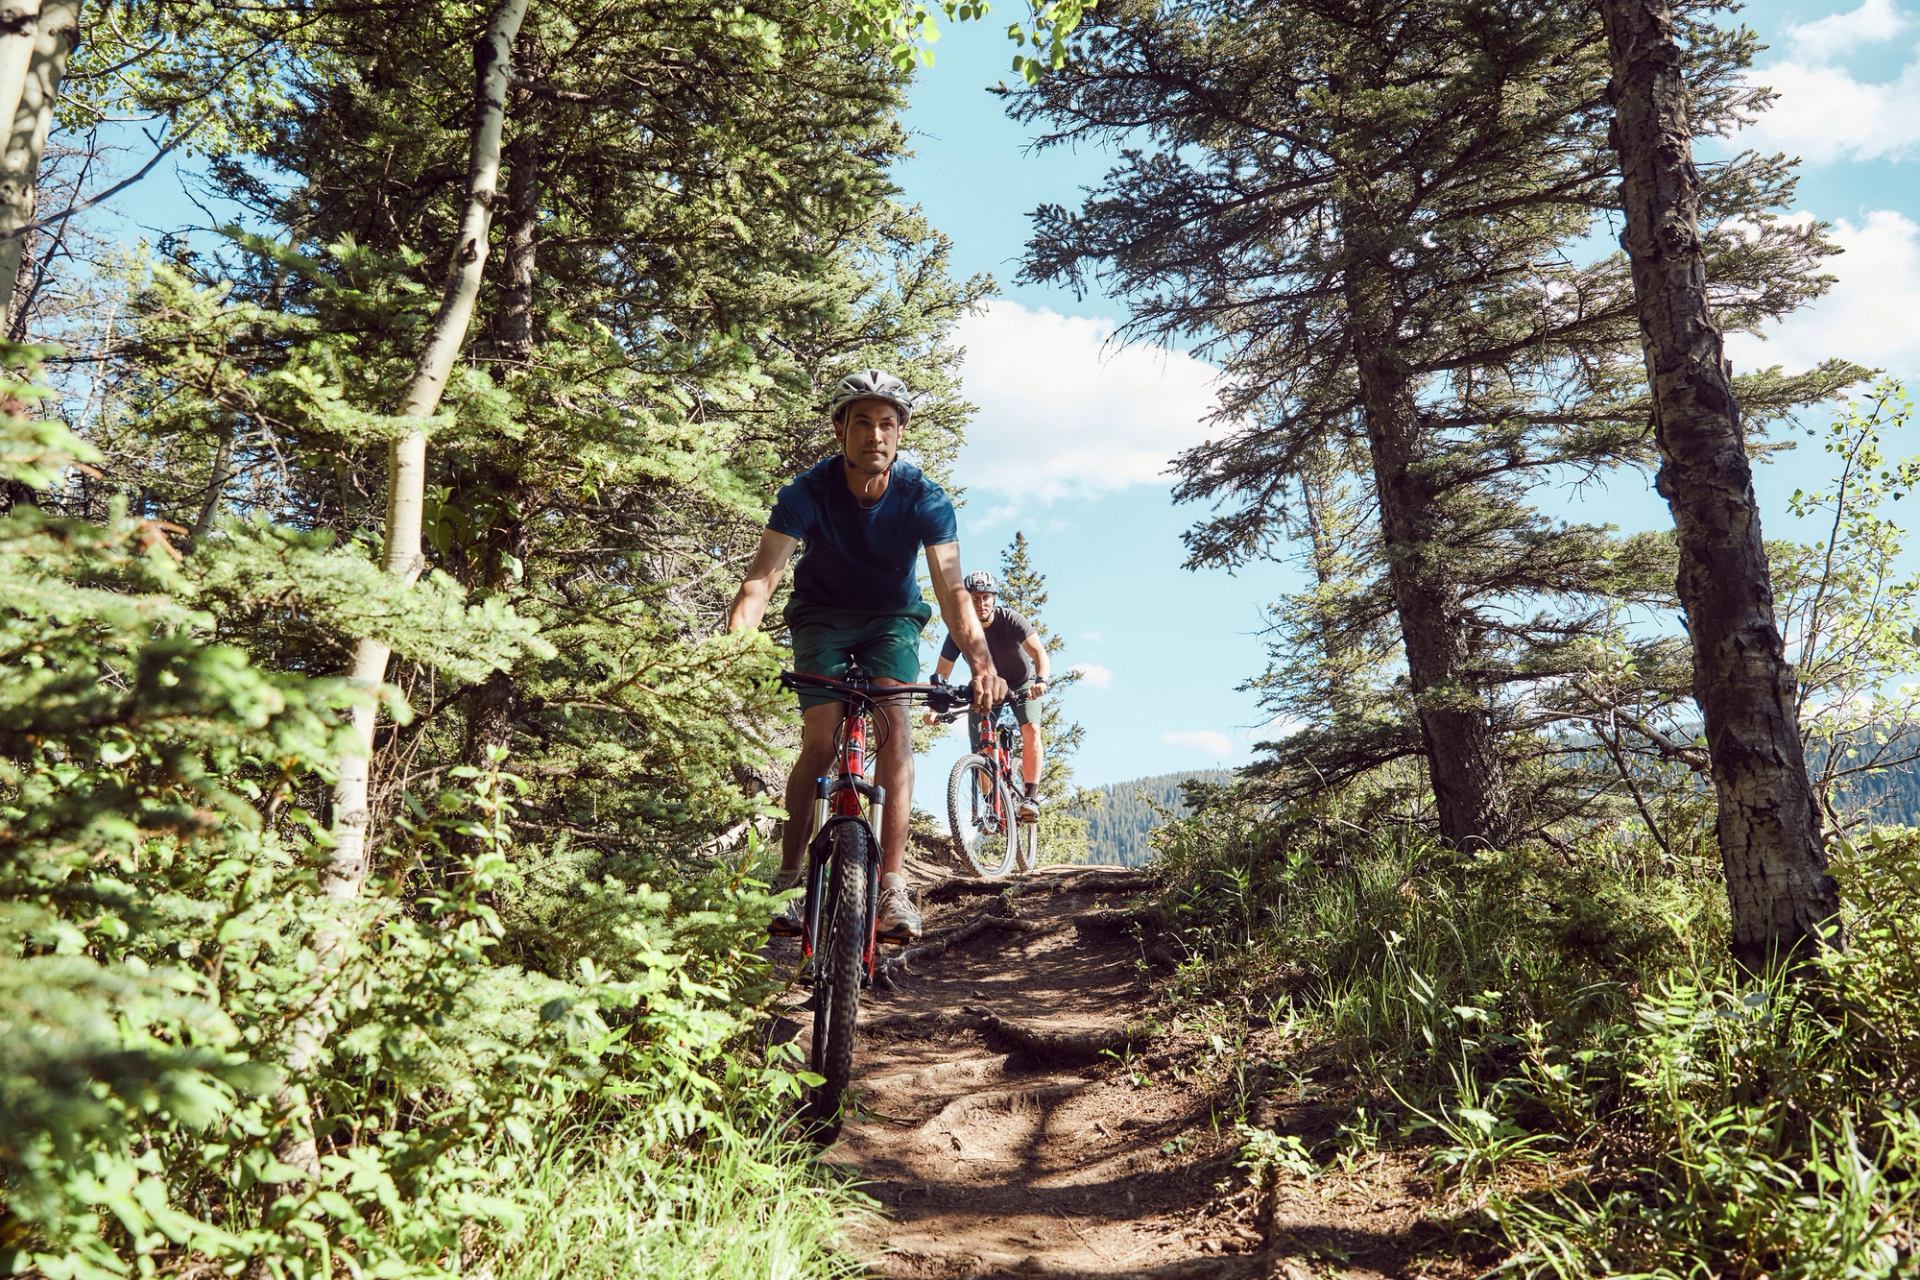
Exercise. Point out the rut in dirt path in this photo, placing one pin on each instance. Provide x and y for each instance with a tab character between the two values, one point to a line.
1017	1112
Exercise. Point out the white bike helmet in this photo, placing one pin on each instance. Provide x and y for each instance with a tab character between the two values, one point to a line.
981	583
871	384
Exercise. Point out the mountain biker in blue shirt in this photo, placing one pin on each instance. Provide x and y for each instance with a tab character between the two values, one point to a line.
863	517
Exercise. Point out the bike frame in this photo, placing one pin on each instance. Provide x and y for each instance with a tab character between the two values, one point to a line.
836	800
996	745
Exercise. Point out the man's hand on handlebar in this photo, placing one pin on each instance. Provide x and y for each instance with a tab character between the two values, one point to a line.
988	690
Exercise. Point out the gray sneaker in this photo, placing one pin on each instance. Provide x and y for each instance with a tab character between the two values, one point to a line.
786	922
899	922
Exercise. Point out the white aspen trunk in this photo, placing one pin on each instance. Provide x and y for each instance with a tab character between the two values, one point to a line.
346	869
18	21
50	38
407	456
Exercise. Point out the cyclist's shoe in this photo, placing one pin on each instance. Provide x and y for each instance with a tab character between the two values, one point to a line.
899	922
1029	810
786	922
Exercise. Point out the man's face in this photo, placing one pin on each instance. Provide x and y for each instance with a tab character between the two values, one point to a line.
869	432
983	605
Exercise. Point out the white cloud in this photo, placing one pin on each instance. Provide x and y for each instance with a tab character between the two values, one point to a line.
1064	412
1824	112
1873	22
1211	741
1093	673
1866	316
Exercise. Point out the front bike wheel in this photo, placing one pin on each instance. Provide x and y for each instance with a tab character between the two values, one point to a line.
838	962
980	811
1027	843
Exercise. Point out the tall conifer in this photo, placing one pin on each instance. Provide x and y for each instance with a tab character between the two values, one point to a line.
1369	215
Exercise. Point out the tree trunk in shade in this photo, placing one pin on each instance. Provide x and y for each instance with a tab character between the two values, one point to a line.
1463	751
1783	901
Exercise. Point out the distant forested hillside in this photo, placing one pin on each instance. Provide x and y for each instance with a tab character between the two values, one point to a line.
1117	831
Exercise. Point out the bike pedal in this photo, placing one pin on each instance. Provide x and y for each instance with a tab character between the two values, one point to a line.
780	929
897	938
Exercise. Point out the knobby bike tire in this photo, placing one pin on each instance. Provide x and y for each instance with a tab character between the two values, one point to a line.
1027	845
986	849
839	960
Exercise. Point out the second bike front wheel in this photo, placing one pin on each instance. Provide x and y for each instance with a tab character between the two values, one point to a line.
980	811
838	962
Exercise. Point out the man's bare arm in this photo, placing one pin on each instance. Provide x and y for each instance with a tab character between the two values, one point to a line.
1036	649
763	575
956	608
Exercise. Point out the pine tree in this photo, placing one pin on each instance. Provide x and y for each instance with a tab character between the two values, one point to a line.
1350	208
1783	901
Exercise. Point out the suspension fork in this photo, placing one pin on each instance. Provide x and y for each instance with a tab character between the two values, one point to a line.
839	798
856	773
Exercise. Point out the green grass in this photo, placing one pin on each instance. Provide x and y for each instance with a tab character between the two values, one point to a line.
755	1208
1562	1034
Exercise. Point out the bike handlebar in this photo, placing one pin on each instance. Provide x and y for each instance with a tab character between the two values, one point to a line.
941	697
1013	695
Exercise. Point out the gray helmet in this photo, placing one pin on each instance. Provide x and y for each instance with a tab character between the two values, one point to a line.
981	583
871	384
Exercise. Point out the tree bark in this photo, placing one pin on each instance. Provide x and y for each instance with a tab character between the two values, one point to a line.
1783	901
346	869
221	473
19	22
54	31
1463	758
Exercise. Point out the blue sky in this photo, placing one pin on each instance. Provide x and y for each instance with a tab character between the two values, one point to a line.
1073	436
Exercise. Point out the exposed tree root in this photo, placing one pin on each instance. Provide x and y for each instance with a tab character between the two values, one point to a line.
1105	879
991	921
920	1024
1077	1046
956	887
1115	922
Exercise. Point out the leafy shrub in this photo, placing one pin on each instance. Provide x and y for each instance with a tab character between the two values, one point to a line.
159	899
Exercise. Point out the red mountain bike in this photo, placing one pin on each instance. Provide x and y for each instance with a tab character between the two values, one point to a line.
982	807
841	912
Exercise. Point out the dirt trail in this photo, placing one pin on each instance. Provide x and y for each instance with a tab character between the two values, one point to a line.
1000	1140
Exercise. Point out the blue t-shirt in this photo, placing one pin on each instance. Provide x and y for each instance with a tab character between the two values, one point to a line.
855	557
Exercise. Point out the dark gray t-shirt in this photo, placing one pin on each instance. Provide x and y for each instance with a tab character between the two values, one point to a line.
1004	636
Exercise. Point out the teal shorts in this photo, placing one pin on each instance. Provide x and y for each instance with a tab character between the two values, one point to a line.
827	641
